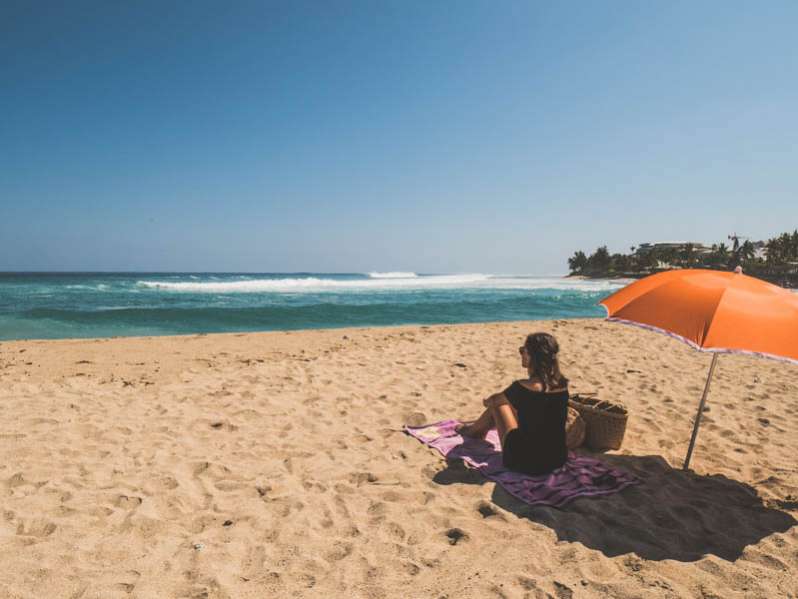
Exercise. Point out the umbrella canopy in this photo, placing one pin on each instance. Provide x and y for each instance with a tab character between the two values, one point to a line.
712	311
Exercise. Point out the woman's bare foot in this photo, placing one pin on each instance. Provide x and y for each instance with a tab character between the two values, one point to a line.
469	430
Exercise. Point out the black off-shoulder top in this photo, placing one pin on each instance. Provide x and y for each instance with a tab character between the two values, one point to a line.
538	445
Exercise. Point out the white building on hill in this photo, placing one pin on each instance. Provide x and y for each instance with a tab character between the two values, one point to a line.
698	247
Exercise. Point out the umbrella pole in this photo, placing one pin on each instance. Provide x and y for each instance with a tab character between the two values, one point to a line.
700	411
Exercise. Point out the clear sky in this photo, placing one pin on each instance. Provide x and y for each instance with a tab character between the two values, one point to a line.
423	136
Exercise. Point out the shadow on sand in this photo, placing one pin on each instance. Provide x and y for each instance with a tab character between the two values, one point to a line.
671	514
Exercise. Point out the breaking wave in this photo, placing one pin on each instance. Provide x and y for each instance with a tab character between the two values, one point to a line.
393	275
316	284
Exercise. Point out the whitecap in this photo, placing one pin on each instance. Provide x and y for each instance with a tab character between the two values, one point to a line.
393	275
431	282
99	287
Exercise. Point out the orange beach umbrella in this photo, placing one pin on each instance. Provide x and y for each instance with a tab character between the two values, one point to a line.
719	312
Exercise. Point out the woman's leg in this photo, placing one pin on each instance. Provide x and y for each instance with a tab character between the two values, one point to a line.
505	418
479	428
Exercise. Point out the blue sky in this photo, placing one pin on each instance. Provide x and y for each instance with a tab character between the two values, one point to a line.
348	137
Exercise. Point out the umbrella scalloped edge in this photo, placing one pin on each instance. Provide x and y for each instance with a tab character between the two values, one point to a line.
694	345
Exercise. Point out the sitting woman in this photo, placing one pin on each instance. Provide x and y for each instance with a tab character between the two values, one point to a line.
530	414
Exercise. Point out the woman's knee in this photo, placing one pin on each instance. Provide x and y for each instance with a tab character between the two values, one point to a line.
504	418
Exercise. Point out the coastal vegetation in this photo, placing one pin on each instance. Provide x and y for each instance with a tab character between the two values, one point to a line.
775	260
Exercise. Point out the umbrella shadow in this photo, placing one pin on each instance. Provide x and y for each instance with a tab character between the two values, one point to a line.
671	514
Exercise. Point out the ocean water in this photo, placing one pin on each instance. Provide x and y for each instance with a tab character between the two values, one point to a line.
65	305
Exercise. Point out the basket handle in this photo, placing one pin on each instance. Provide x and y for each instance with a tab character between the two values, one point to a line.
605	404
602	404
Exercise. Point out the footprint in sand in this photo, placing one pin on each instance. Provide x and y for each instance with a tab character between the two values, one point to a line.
377	511
160	484
340	550
562	591
214	470
416	419
129	585
127	503
359	478
456	535
486	510
395	531
36	528
221	425
307	580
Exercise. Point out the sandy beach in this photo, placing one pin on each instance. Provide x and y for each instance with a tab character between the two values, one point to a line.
274	465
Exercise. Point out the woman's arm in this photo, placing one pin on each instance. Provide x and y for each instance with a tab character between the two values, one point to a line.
495	400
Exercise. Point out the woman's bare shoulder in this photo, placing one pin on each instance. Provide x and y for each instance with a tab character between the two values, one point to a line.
536	385
531	384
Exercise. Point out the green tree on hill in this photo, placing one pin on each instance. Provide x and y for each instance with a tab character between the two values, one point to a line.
779	263
648	262
719	255
577	262
783	248
687	255
746	253
599	261
622	263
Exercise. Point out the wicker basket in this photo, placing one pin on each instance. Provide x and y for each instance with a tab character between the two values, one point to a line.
574	429
605	421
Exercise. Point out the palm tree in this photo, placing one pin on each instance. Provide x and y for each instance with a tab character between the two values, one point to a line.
577	262
778	249
736	245
687	254
621	263
669	256
648	261
599	261
720	254
747	251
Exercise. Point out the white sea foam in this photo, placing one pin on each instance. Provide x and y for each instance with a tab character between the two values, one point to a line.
393	275
321	285
99	287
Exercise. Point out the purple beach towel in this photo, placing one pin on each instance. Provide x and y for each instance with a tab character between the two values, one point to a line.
580	476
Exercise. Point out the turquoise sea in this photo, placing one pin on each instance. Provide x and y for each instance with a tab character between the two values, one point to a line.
63	305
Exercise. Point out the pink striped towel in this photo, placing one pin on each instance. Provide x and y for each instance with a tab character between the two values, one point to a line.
580	476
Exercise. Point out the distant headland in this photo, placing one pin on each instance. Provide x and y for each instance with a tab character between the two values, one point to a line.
774	260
